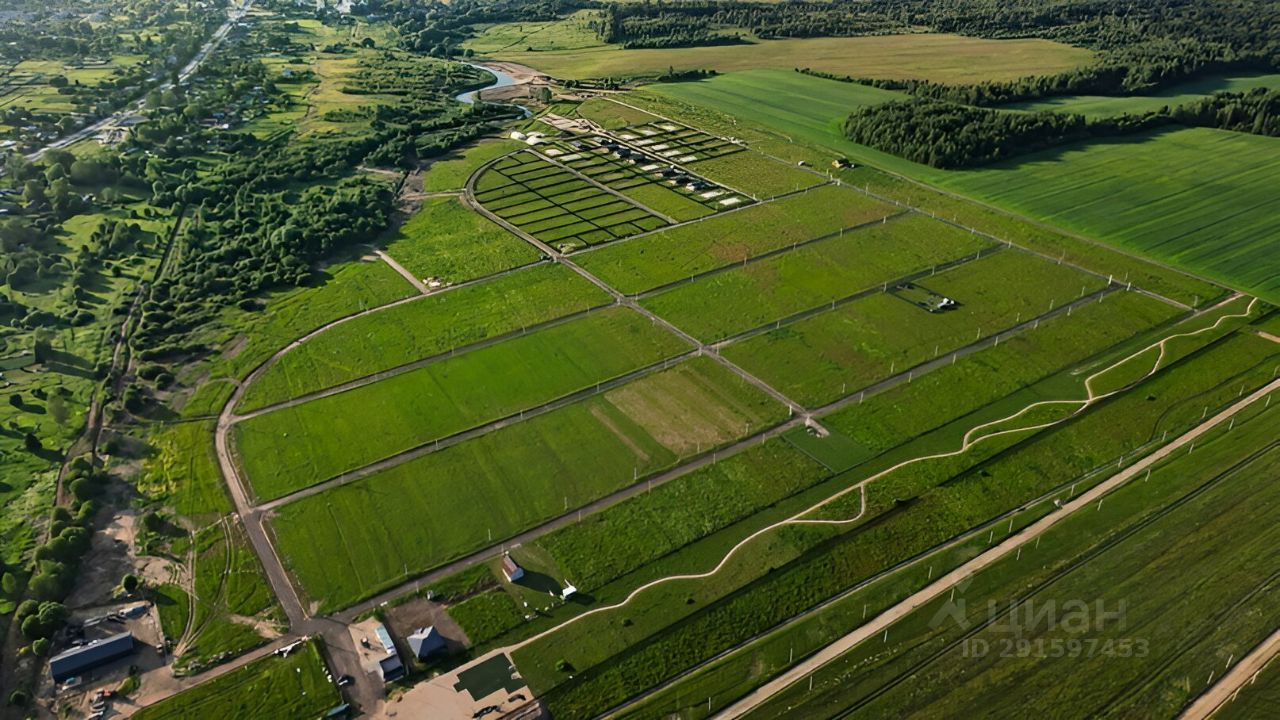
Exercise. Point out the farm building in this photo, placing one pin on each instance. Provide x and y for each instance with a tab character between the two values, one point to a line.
81	659
511	569
426	642
390	667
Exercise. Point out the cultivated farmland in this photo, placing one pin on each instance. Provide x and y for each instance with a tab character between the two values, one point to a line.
939	57
479	491
294	447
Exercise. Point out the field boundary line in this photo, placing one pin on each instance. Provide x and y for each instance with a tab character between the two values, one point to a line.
988	206
694	221
936	588
988	341
695	462
1228	687
601	186
430	446
420	286
418	364
751	260
865	292
557	256
973	436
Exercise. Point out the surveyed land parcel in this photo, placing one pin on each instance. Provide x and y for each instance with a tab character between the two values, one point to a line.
297	446
664	257
423	328
424	512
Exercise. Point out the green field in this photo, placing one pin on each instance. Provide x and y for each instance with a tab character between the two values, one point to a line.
1205	517
827	356
755	174
449	243
746	297
678	253
451	172
1260	698
938	57
1195	198
421	329
1096	106
290	688
474	493
295	447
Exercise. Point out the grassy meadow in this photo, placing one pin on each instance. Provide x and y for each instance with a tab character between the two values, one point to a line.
294	447
1097	106
926	56
448	242
469	495
1194	198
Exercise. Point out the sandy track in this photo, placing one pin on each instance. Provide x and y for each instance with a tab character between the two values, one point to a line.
1230	684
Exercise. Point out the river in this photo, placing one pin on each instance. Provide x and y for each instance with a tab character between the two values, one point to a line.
502	80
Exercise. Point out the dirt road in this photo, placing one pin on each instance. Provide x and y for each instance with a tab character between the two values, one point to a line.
944	584
1235	679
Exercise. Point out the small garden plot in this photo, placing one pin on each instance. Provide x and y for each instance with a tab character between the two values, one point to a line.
292	448
354	540
687	250
538	189
827	356
756	174
449	243
749	296
423	328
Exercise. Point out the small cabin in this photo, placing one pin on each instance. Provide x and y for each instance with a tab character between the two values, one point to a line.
511	569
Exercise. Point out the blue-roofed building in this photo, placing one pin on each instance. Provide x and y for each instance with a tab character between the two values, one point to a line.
80	660
426	642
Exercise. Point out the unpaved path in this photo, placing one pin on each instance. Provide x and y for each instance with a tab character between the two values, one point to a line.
413	279
1230	684
945	583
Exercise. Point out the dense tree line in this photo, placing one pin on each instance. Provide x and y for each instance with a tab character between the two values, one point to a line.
951	135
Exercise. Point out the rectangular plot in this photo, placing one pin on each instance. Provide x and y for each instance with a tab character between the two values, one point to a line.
295	447
825	357
742	298
686	250
501	483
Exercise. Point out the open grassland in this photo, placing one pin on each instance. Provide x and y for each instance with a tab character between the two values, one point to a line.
1099	106
938	57
1208	518
424	512
827	356
611	115
423	328
631	534
754	173
1194	198
183	469
451	171
342	290
883	420
292	688
294	447
1198	198
746	297
486	615
446	241
678	253
568	33
615	655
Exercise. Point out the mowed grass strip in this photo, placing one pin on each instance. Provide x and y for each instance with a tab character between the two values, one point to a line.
446	240
742	298
295	686
357	539
452	172
824	357
753	173
423	328
294	447
677	253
